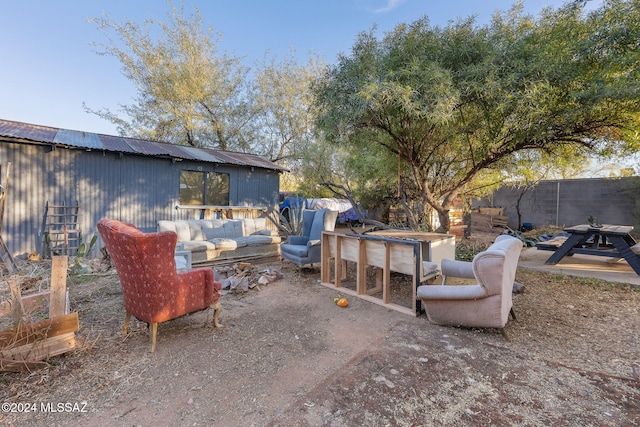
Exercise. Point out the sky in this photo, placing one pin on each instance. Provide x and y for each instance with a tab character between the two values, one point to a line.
49	65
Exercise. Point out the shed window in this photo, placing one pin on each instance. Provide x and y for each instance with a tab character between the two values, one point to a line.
204	188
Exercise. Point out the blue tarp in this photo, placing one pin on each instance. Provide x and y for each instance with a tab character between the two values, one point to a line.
296	202
346	213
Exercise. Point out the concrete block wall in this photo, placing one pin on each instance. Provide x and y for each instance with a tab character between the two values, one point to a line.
571	202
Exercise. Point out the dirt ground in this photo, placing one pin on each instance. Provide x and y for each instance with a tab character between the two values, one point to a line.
287	355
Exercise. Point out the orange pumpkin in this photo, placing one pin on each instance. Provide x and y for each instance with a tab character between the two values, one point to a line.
342	302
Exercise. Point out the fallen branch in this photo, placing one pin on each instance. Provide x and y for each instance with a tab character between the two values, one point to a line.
12	365
592	373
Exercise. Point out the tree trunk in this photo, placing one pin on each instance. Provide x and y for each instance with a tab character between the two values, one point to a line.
445	221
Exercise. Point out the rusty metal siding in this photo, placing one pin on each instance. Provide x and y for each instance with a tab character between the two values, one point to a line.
132	188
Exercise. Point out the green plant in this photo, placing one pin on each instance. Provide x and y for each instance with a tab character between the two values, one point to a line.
48	252
465	251
593	221
83	251
291	217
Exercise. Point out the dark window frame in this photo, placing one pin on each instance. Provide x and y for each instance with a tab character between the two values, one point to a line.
203	185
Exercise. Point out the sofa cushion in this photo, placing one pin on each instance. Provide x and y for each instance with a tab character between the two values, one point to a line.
183	230
198	245
195	230
300	251
167	226
233	228
317	226
256	240
264	232
186	230
242	242
460	292
209	223
214	233
253	225
225	244
199	227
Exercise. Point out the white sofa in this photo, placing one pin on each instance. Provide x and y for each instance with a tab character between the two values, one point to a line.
219	240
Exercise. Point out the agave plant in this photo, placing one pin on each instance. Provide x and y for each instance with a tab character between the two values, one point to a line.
291	217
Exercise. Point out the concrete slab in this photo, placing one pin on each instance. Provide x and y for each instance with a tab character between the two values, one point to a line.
609	269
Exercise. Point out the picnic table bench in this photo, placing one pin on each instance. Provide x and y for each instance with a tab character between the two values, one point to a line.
614	241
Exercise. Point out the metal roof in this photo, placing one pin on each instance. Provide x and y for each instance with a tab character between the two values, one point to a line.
77	139
25	132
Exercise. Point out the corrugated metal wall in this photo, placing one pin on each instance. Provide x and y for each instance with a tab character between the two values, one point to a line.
135	189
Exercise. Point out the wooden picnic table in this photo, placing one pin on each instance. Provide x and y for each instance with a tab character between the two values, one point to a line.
613	241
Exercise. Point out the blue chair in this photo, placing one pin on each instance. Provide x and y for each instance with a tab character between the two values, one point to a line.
305	249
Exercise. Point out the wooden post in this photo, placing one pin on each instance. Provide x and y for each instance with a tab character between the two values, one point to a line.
5	255
17	311
325	258
58	297
361	267
4	195
386	281
340	268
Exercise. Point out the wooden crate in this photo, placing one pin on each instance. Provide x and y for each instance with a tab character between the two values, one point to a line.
486	222
491	211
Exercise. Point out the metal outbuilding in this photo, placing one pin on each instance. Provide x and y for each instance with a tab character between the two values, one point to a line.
132	180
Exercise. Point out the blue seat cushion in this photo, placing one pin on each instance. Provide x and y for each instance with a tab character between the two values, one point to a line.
297	250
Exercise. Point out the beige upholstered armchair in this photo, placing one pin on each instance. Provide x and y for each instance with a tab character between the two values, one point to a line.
485	303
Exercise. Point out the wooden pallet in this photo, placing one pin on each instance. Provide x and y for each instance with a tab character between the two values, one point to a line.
487	222
30	344
6	257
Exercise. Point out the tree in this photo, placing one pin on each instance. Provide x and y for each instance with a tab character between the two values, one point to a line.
188	92
454	103
283	108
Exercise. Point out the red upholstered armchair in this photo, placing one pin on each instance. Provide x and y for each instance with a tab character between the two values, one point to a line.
153	290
